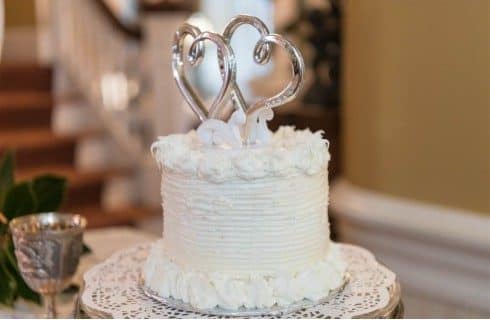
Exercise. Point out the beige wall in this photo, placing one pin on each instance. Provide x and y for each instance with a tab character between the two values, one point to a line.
416	112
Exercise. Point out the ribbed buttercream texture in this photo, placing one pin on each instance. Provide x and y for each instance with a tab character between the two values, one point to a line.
260	226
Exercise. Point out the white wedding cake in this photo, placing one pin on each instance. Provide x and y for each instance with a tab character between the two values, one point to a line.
245	209
244	227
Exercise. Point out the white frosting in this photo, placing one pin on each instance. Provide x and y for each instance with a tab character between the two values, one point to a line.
244	226
290	151
206	290
264	225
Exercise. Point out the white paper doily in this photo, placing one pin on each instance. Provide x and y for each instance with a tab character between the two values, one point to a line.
111	289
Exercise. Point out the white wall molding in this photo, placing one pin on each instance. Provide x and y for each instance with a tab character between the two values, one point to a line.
438	252
461	227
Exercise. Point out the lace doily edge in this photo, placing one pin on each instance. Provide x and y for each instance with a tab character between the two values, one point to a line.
391	284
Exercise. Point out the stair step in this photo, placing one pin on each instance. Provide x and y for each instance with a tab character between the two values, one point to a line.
26	110
29	109
41	147
27	99
98	218
38	147
28	76
84	188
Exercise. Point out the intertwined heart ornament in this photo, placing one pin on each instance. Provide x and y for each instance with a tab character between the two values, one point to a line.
258	112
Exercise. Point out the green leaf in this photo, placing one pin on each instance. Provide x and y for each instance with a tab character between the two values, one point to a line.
19	201
86	249
23	290
8	286
3	229
9	253
6	175
49	191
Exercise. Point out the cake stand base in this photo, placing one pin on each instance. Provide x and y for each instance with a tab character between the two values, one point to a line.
112	289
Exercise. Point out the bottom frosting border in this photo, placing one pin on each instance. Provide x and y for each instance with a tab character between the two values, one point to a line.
207	290
274	311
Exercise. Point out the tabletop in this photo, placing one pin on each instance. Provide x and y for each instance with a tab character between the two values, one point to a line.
103	242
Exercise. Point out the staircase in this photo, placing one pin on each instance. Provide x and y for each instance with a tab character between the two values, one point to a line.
26	108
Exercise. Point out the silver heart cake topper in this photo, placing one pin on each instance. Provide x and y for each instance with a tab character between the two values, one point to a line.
248	124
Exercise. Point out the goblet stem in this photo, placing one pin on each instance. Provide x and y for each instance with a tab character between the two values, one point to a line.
50	301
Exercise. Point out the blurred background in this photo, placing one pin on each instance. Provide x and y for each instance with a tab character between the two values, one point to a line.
401	89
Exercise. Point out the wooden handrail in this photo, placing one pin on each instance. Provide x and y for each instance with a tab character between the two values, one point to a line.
168	5
131	31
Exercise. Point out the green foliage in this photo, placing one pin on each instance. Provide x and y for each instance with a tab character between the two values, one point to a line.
8	286
6	175
19	200
41	194
49	191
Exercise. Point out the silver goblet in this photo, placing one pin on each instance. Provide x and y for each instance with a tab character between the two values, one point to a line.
48	248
